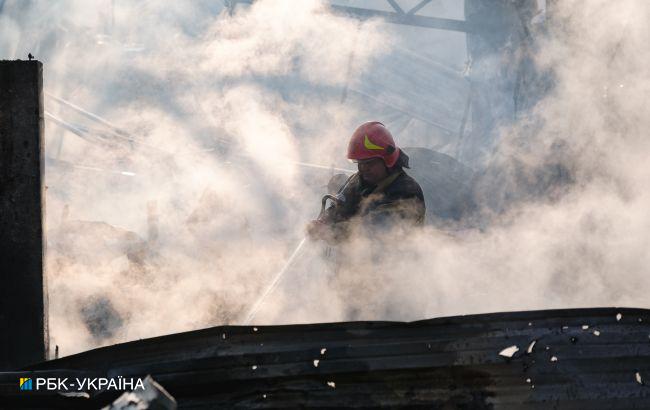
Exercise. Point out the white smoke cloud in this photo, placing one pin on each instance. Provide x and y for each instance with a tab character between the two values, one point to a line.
222	108
583	247
180	224
583	244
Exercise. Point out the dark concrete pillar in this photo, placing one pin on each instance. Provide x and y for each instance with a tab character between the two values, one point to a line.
23	299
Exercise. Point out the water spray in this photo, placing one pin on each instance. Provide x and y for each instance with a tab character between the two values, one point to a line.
337	199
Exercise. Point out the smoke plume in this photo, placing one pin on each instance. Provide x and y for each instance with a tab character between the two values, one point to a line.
225	128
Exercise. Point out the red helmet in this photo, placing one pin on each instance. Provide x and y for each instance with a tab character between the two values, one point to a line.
373	140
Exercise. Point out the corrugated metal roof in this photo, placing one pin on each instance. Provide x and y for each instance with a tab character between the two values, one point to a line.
569	359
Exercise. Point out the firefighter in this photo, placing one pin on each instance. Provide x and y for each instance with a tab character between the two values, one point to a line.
380	196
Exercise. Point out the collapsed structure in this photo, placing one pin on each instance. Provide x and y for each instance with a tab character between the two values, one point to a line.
588	358
570	359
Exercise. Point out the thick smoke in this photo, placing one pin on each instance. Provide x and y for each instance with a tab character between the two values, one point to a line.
184	221
582	244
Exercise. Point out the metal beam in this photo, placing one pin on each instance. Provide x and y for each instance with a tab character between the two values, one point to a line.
446	131
93	136
395	6
66	125
115	129
418	7
396	17
407	19
69	165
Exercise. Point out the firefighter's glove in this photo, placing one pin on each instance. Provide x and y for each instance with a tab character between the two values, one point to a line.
319	230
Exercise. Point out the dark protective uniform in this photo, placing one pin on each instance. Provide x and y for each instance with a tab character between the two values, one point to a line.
398	199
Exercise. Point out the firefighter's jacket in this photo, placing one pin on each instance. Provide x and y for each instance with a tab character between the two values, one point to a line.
397	200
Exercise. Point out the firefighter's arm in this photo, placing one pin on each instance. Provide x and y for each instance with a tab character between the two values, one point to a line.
330	233
332	223
318	229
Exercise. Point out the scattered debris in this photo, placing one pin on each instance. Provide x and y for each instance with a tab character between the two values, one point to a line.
565	327
596	332
573	340
530	323
154	396
332	385
528	380
254	367
509	351
640	320
638	378
223	336
618	317
585	327
316	362
75	394
322	351
530	347
264	396
554	359
254	329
